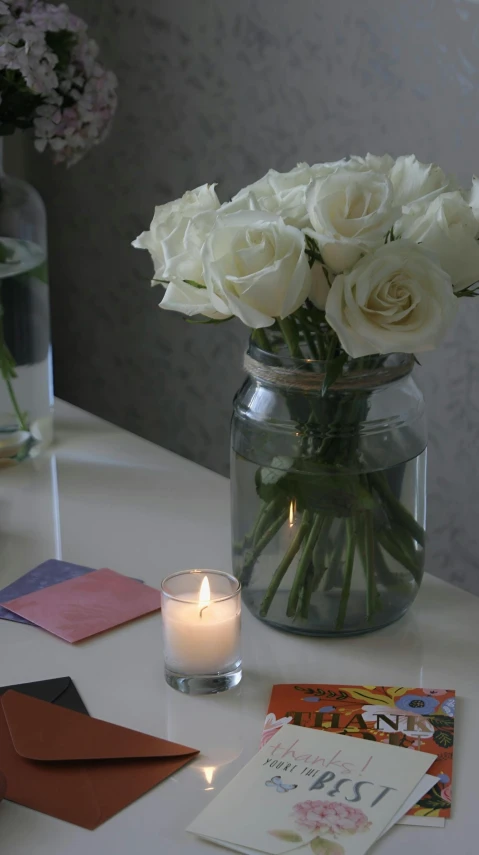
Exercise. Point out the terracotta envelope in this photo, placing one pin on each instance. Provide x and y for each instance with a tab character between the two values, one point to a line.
77	768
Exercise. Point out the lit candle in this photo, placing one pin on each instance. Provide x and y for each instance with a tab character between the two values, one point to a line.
201	612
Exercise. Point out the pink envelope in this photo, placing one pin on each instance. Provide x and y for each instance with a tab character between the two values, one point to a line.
87	605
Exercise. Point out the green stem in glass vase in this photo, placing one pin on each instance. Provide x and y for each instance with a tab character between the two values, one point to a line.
7	370
253	555
379	482
367	552
348	572
304	561
283	566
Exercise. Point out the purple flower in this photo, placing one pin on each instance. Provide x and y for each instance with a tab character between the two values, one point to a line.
444	779
417	704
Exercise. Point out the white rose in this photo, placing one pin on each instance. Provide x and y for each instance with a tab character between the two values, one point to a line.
375	162
350	213
177	233
355	163
473	199
255	267
395	299
416	182
447	227
189	299
282	193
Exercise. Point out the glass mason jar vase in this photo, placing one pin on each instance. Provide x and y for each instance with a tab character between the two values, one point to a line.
328	492
26	389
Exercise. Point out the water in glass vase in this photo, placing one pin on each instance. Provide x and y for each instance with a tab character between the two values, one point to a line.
328	552
26	396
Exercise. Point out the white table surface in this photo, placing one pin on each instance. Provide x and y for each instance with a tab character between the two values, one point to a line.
104	497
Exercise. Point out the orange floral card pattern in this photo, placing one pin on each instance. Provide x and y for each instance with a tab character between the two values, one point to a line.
418	719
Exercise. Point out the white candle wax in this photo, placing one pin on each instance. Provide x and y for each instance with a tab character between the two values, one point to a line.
201	637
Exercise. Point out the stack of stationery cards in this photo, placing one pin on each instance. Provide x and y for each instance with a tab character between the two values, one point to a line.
76	602
310	788
418	719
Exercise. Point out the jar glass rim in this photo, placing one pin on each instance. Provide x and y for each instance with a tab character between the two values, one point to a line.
205	572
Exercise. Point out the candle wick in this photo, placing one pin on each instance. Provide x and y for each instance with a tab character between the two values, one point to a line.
202	610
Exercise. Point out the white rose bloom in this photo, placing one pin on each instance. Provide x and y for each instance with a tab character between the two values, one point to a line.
416	182
255	267
282	193
350	213
375	162
190	300
175	236
447	227
473	199
355	163
395	299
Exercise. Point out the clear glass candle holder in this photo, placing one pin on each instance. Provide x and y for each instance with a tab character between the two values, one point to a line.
201	615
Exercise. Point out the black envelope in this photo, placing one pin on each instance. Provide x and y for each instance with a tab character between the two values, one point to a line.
60	691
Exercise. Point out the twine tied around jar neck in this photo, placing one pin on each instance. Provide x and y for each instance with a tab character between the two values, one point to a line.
305	380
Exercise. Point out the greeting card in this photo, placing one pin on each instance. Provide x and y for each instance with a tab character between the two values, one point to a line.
49	573
418	719
309	787
87	605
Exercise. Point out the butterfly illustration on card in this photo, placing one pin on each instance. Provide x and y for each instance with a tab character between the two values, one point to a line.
280	787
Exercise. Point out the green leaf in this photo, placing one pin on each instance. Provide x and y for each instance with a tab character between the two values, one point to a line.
333	370
324	490
441	721
470	291
195	284
207	320
444	738
287	836
433	803
321	846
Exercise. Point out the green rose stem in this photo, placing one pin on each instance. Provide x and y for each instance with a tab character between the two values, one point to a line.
303	563
252	557
348	572
392	545
261	339
303	322
367	552
7	370
379	481
285	563
334	576
291	336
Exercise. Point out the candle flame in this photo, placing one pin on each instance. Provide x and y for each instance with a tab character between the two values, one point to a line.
205	595
209	772
291	514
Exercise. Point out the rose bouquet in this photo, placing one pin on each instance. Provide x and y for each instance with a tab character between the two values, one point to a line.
50	79
342	271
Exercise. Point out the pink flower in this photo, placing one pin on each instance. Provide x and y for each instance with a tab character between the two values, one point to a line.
330	817
271	726
446	793
437	692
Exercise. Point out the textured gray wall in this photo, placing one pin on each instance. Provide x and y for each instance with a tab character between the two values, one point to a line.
214	90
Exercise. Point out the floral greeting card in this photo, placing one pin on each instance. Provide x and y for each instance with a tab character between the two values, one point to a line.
419	719
311	788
